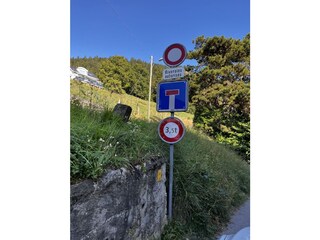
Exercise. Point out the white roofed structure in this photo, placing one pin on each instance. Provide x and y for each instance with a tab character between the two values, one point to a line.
83	75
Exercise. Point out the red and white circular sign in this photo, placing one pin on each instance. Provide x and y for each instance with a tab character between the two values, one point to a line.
174	55
171	130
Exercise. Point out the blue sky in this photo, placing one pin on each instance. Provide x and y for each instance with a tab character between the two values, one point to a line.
144	28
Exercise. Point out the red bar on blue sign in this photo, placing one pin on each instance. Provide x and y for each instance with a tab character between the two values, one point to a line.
172	92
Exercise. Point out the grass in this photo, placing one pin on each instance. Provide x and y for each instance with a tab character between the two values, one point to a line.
100	140
210	180
103	98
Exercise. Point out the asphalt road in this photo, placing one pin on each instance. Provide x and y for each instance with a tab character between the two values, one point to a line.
239	220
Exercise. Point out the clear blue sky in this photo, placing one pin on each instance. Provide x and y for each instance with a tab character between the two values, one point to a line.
144	28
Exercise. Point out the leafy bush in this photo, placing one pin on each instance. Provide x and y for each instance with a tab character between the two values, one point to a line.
223	112
238	138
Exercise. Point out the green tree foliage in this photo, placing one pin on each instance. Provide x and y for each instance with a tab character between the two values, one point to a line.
140	84
92	64
220	90
123	76
111	76
157	77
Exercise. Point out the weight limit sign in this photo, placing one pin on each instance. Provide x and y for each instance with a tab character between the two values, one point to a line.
171	130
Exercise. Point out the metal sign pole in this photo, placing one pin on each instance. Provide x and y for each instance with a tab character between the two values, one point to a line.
167	99
171	177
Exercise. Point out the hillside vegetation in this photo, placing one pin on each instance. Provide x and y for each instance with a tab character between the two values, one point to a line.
219	93
120	75
103	98
209	179
220	90
100	140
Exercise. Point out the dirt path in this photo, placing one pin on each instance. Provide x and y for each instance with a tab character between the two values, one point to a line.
239	220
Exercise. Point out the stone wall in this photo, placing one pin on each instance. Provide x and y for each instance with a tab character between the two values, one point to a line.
122	204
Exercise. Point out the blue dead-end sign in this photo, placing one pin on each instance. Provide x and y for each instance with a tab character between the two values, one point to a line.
172	96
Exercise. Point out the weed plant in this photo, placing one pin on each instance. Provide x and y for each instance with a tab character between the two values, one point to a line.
100	140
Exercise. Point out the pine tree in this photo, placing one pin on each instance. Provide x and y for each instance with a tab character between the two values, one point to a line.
220	90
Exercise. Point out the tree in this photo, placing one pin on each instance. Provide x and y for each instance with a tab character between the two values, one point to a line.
110	76
92	64
123	76
220	90
139	85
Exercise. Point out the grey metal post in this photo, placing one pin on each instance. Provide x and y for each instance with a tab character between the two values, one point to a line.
171	178
149	100
170	182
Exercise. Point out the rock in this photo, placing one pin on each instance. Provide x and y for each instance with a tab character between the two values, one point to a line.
123	111
122	204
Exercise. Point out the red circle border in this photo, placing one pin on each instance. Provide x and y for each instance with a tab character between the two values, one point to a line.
176	138
180	60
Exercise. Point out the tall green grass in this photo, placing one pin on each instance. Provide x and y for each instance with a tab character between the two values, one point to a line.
210	180
100	140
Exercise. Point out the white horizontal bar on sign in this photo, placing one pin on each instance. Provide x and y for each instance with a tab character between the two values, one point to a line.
171	73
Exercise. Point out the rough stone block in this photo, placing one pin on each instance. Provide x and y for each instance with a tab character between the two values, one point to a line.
124	204
123	111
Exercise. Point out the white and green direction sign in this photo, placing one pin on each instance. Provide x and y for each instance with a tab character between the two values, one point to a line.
171	73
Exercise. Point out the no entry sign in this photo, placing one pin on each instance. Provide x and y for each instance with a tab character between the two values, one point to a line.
174	55
171	130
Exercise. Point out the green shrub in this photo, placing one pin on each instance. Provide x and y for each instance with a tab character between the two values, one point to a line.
238	139
223	112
